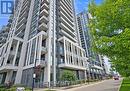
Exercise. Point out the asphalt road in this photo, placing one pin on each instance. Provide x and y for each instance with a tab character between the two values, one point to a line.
108	85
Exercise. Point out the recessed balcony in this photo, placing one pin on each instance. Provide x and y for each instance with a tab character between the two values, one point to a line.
43	19
44	50
68	36
66	8
67	19
97	67
44	12
70	66
23	15
43	63
26	3
66	13
63	13
25	9
67	24
21	27
45	6
21	21
43	27
67	29
45	1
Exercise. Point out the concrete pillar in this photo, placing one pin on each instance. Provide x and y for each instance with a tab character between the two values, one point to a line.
16	53
40	48
54	63
7	52
23	51
93	74
65	52
79	75
85	74
8	76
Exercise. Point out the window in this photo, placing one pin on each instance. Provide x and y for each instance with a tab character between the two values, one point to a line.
13	77
71	60
62	60
26	54
17	61
75	50
33	51
70	47
77	61
44	43
43	57
80	53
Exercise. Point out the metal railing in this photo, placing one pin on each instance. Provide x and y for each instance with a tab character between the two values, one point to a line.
62	83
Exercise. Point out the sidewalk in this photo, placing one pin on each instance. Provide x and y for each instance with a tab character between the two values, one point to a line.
70	87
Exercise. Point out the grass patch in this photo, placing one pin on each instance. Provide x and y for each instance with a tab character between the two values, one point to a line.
125	86
13	88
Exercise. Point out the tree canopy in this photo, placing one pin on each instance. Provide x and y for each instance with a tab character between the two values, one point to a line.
110	28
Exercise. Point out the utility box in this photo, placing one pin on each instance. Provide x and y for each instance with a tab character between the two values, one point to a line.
20	89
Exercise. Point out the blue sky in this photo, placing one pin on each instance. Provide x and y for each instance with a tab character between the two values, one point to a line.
80	5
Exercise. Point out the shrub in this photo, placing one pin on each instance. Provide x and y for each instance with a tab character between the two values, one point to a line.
68	76
2	86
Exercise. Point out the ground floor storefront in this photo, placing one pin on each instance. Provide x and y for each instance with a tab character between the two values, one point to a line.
41	80
8	76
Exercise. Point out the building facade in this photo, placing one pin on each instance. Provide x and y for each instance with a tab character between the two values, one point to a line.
95	60
5	31
43	32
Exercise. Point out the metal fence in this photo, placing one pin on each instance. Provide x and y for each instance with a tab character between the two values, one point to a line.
62	83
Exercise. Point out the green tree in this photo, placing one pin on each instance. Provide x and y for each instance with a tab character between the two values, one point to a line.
68	76
110	28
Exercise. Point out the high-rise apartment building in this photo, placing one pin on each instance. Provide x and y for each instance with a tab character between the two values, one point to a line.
95	60
4	32
43	32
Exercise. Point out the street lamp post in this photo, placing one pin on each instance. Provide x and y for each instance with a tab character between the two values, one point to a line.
34	74
89	71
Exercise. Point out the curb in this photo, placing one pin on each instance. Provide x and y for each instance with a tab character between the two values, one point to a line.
75	86
120	84
80	86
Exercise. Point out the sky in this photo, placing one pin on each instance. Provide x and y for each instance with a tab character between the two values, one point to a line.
80	5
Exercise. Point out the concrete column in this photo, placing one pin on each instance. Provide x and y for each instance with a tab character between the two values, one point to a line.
92	73
16	53
8	76
85	75
54	63
21	63
72	49
65	52
79	75
40	48
8	52
47	70
23	51
28	54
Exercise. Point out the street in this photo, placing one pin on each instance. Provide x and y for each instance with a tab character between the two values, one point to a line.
108	85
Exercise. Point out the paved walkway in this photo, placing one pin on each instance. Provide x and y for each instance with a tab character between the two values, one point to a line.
108	85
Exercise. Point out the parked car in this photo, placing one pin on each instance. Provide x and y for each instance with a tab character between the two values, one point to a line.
116	77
